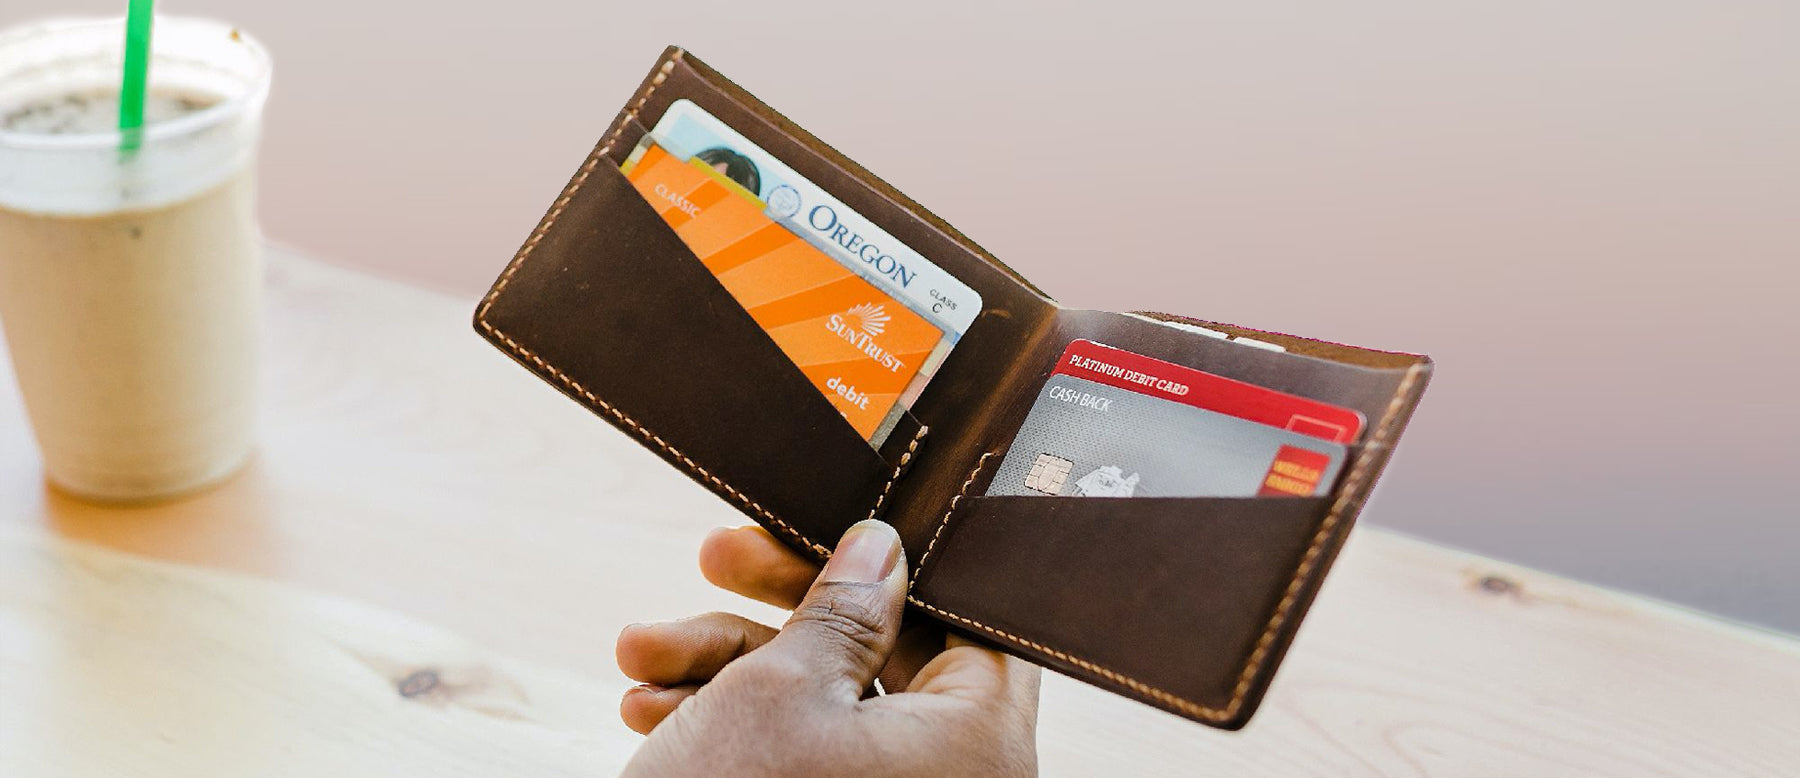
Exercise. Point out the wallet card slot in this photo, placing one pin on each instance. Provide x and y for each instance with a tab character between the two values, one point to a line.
1173	601
608	304
1186	603
1365	388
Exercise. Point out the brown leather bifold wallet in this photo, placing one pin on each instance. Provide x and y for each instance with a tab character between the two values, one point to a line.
1185	603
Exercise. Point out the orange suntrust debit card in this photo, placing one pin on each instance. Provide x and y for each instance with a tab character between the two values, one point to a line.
859	346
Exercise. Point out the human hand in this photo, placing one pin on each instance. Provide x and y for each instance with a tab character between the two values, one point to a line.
724	695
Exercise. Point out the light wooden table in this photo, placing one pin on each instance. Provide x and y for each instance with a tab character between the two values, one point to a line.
423	570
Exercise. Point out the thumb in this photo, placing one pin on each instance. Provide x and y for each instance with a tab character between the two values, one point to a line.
843	631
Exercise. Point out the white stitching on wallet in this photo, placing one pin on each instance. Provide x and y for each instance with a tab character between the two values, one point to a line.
954	501
899	467
556	209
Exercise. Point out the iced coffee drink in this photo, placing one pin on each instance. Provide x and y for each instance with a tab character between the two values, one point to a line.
130	278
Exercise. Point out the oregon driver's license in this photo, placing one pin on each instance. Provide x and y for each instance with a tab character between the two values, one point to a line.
689	134
852	340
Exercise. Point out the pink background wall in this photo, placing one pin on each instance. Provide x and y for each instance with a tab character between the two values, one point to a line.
1586	211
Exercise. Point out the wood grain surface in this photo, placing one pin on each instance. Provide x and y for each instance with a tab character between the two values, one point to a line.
423	570
116	665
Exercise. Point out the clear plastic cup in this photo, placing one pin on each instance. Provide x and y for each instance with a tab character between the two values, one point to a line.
130	283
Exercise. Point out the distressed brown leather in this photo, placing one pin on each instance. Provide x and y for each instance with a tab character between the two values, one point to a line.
1184	603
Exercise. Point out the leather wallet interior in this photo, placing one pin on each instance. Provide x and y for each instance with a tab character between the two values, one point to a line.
1184	603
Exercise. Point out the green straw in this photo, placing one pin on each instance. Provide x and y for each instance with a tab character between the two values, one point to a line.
137	76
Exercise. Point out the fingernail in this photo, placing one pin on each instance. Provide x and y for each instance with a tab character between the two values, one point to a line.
867	554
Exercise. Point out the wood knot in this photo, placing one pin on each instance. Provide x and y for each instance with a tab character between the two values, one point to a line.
418	683
1497	585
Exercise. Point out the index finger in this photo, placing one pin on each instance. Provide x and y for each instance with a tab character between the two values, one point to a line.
972	671
751	562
